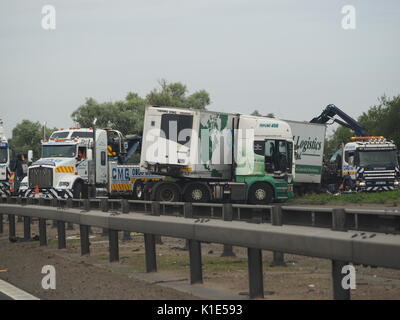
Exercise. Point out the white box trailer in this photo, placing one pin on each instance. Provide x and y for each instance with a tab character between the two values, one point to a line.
309	141
169	148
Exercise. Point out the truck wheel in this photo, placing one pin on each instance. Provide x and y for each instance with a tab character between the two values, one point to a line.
167	192
261	193
197	192
138	190
77	191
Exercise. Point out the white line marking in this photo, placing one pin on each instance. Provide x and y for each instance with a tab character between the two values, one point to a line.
15	293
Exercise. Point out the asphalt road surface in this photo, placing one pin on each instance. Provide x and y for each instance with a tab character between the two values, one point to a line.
4	297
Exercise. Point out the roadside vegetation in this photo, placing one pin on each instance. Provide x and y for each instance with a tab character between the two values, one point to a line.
390	198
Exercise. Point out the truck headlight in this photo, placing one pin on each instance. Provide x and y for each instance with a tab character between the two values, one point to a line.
361	183
63	184
396	182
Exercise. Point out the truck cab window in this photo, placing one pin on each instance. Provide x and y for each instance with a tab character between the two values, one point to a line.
349	157
82	152
59	135
270	156
3	155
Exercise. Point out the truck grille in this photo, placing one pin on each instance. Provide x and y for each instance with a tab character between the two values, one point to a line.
380	175
43	177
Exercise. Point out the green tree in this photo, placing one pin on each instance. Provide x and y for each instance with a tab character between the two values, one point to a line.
380	120
127	115
341	135
383	119
27	135
174	95
258	114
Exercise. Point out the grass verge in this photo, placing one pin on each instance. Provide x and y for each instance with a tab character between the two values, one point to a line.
391	198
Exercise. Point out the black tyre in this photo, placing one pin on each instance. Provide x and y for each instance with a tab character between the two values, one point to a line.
197	192
167	192
138	190
261	193
77	191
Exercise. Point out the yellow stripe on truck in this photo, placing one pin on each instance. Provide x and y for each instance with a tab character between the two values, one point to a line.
121	186
65	169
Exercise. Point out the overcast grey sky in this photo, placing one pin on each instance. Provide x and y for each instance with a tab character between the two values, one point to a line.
289	57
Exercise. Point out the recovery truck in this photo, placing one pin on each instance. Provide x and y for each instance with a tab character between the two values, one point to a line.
81	163
364	164
214	156
12	167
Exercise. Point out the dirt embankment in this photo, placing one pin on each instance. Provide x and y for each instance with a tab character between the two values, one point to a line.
93	277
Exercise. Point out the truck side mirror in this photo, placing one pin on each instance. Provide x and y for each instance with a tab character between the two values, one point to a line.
89	154
30	155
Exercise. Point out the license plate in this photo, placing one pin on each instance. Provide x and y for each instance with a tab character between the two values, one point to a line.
380	182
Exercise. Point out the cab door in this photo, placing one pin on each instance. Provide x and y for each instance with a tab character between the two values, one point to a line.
82	163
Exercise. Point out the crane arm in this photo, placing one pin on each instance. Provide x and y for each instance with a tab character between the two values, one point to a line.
331	111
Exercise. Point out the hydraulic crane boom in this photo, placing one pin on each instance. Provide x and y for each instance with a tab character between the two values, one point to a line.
331	111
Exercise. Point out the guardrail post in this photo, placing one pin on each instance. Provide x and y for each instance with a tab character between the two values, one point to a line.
276	220
27	228
69	204
150	251
85	243
339	293
227	215
11	226
113	245
187	213
62	244
42	232
339	220
125	209
156	211
256	282
86	207
1	223
339	223
104	208
196	272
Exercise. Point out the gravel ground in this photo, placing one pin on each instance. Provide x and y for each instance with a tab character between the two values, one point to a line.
75	278
93	277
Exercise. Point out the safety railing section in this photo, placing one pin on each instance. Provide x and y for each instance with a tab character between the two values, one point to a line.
361	219
181	220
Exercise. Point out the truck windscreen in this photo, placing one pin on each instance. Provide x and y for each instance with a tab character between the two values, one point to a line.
3	155
378	158
59	151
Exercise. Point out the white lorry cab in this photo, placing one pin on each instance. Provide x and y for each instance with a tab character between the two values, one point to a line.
75	163
368	164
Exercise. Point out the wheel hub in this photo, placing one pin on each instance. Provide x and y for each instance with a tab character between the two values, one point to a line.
197	194
260	194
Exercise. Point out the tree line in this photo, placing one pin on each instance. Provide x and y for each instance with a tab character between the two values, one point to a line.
127	116
382	119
